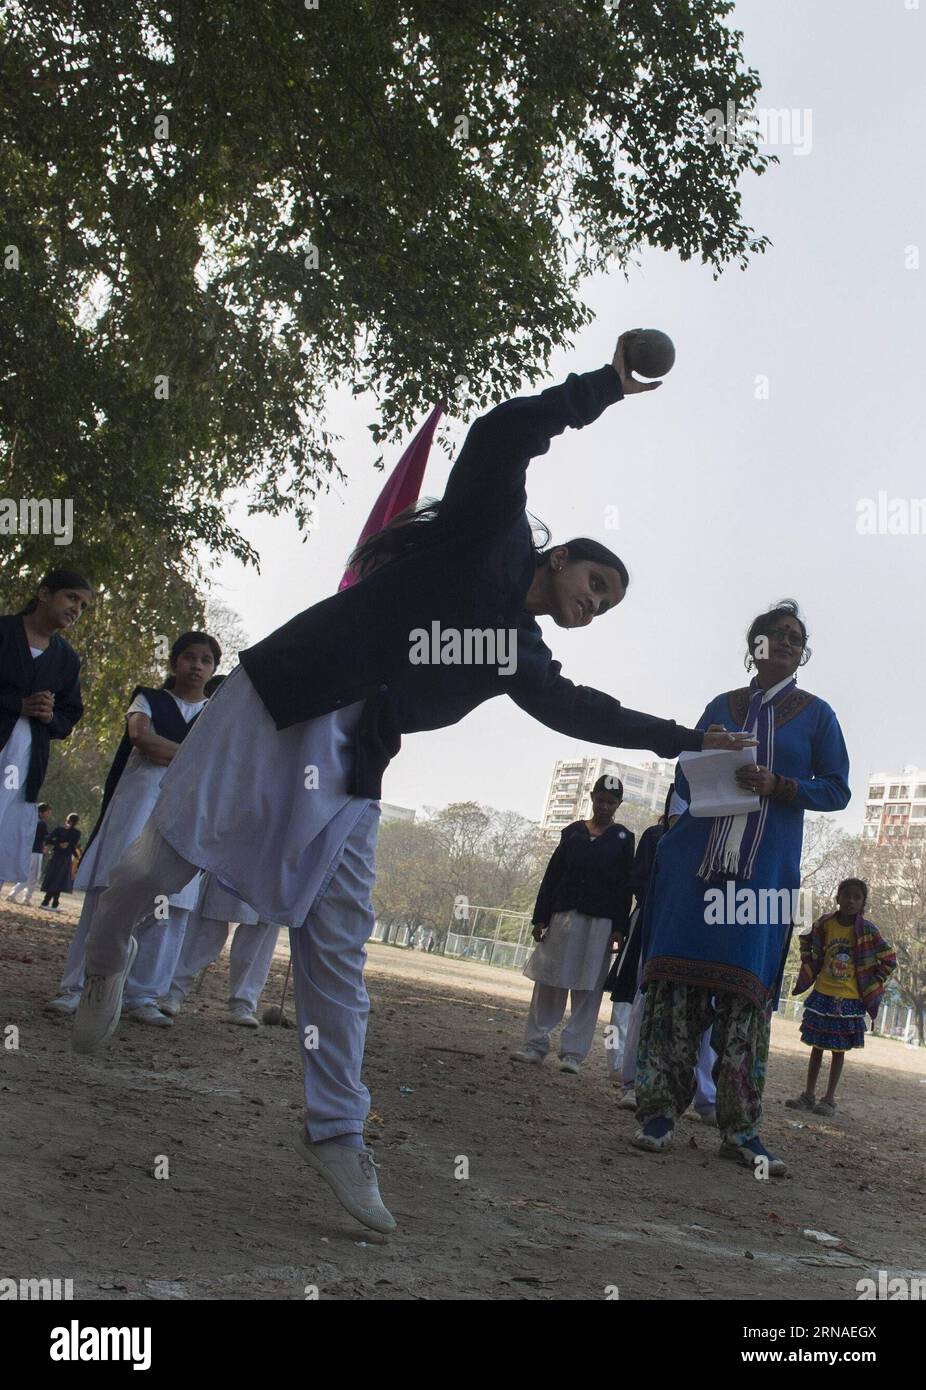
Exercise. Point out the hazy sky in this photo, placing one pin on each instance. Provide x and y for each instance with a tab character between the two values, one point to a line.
726	501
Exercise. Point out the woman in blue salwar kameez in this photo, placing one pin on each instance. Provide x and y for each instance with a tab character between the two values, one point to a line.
712	953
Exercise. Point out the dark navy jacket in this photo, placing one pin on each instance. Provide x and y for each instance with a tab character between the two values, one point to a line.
473	574
622	977
57	670
590	874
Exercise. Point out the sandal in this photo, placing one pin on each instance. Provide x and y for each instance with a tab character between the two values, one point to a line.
802	1102
825	1107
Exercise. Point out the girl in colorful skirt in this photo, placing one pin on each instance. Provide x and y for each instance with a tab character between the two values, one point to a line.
847	961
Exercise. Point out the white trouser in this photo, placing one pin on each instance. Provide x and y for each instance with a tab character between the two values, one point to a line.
706	1092
159	944
328	958
331	998
616	1036
632	1041
32	882
250	956
547	1009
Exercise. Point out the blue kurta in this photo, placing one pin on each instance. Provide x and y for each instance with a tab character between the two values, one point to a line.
679	944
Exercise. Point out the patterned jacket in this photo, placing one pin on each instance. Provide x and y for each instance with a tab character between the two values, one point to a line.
874	960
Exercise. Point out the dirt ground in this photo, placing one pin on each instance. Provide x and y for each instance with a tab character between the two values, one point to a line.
556	1205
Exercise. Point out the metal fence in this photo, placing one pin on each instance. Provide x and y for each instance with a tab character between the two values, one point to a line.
482	938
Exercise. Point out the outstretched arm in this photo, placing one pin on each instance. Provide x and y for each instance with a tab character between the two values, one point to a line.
581	712
487	481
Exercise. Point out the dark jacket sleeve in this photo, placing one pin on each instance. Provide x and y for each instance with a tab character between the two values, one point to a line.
487	481
543	908
68	710
584	713
11	697
643	862
621	918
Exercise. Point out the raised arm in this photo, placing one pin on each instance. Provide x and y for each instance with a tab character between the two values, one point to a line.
487	481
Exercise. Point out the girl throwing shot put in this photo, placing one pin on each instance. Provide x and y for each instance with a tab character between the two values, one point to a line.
276	791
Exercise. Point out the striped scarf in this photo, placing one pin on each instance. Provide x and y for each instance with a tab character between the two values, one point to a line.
734	841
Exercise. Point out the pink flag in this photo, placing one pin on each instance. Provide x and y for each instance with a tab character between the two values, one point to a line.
402	487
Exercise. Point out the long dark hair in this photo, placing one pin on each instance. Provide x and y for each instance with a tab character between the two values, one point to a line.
421	525
55	580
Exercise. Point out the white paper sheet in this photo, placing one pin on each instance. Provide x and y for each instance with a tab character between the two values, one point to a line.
714	788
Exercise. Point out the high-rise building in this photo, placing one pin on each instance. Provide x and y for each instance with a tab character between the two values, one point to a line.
571	785
896	807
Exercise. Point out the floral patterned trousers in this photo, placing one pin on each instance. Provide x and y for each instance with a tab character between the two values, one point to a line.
674	1017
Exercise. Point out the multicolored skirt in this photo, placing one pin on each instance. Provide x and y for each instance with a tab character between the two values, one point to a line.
836	1025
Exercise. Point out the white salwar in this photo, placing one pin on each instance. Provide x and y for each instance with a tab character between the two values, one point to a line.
268	813
572	959
36	863
252	946
18	817
160	937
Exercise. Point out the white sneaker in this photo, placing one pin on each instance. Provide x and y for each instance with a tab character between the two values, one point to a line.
63	1004
570	1064
97	1016
171	1004
150	1014
242	1015
628	1101
351	1175
528	1055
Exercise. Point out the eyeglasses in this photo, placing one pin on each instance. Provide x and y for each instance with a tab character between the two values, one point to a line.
783	634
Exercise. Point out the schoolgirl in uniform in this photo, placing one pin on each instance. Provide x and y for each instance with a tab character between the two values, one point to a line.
622	977
37	858
582	908
277	789
62	842
157	722
39	700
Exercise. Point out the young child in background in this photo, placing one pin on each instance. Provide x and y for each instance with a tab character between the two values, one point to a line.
847	961
29	885
63	841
